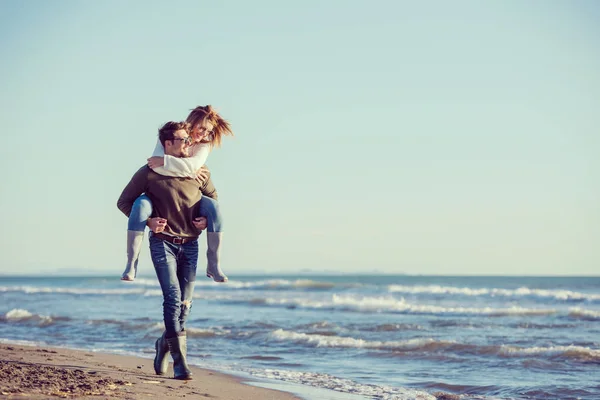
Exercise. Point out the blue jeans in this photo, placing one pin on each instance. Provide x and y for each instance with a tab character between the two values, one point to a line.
210	209
142	210
175	266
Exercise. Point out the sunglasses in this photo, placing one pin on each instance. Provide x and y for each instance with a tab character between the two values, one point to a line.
186	140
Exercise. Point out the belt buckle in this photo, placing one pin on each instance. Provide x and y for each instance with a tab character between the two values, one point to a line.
177	240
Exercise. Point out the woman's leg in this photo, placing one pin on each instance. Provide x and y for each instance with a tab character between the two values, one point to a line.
140	212
210	209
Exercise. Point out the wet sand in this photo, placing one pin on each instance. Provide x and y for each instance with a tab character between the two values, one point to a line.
45	372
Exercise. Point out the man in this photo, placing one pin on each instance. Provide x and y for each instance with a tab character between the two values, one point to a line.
173	242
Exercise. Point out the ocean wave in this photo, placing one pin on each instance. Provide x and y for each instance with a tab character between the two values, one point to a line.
275	284
142	282
205	333
430	345
191	332
262	358
266	284
349	342
379	304
392	328
36	343
394	305
557	294
21	315
130	325
587	315
76	291
318	325
18	314
572	352
364	304
326	381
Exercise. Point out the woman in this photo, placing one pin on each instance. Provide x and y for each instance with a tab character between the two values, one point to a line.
207	130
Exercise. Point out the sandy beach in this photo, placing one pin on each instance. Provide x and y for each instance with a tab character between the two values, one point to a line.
46	372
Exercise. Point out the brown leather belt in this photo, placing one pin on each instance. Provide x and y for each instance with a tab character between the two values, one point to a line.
173	239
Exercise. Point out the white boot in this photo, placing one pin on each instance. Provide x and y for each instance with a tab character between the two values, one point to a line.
213	254
134	245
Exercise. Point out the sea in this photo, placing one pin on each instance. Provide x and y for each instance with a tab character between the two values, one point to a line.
343	336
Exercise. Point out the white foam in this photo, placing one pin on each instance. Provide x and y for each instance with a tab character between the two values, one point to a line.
17	314
153	292
199	332
337	384
571	352
349	342
392	304
159	326
520	292
272	284
432	345
580	313
33	290
23	342
360	304
143	282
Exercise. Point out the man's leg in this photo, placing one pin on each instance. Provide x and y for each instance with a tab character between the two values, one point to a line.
164	257
187	262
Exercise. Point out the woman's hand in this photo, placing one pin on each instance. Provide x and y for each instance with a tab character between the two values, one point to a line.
202	174
156	161
200	223
156	224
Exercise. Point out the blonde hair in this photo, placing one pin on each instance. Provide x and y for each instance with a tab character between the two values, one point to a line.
220	125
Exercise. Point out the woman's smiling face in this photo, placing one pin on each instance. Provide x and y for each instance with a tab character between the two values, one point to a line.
202	131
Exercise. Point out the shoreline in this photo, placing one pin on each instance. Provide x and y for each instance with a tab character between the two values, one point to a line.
38	372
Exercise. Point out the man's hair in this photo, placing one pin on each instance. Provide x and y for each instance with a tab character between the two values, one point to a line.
166	132
220	125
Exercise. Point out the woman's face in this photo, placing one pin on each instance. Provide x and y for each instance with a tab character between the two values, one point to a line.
202	132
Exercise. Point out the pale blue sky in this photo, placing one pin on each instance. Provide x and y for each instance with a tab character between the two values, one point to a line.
434	137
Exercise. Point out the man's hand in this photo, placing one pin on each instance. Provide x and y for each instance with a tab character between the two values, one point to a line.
157	224
154	162
200	223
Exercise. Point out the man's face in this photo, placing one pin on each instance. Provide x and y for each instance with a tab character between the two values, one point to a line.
202	131
179	146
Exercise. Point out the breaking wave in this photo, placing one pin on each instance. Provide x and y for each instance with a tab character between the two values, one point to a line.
563	295
276	284
21	315
587	315
76	291
429	345
394	305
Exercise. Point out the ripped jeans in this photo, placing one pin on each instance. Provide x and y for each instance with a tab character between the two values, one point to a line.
175	266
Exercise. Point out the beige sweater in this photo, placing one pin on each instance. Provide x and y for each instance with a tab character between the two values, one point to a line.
175	199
